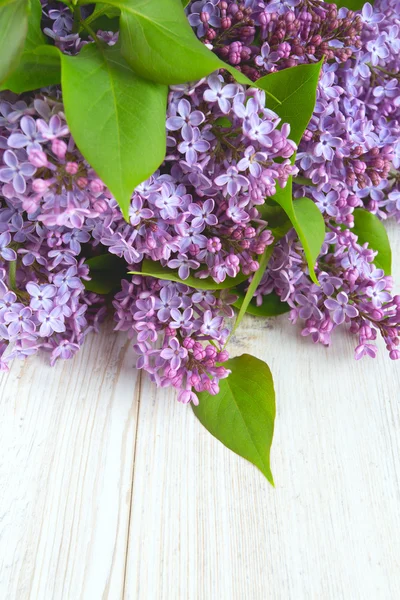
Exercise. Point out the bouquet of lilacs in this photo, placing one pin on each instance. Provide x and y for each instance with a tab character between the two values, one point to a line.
182	164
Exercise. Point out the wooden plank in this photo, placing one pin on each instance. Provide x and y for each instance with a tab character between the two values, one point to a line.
66	465
206	525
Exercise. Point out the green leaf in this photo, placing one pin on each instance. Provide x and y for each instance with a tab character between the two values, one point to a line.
160	45
117	118
278	221
370	229
39	65
253	286
13	31
242	414
103	17
295	90
350	4
272	305
106	272
37	68
155	269
308	223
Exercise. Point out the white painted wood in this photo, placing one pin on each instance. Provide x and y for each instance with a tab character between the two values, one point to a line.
66	464
206	525
203	524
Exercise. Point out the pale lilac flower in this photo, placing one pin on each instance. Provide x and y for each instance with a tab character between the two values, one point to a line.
326	145
51	321
186	119
41	296
203	213
192	143
341	308
327	202
232	181
19	321
167	300
16	171
181	320
6	252
183	264
257	129
378	49
378	294
211	325
29	138
220	92
174	354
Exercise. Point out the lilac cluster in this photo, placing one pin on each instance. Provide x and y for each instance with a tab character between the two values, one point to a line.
179	333
259	36
199	211
350	153
352	290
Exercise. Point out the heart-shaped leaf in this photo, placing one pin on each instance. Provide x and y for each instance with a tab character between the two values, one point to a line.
271	306
242	414
117	118
13	31
370	229
160	45
295	90
155	269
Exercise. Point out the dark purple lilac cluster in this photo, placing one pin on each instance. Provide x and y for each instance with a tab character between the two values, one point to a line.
350	152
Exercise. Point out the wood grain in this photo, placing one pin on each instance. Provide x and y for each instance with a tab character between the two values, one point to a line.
66	464
103	496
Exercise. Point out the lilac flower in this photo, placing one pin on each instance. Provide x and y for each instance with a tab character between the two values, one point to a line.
341	308
64	350
266	58
192	143
203	14
186	119
6	252
211	325
181	320
203	214
220	93
369	16
174	354
232	181
16	171
52	130
378	294
183	264
235	211
41	296
327	202
378	49
326	145
51	321
258	130
167	300
68	280
19	321
167	200
144	308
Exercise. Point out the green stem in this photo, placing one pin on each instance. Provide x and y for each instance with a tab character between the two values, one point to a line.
302	181
12	275
91	32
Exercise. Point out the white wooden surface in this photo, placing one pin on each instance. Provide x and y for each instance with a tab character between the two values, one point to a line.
111	489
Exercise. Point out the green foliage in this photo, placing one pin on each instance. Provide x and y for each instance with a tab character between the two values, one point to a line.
154	269
350	4
271	306
116	117
242	414
159	44
253	285
370	229
39	64
295	91
106	272
13	31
